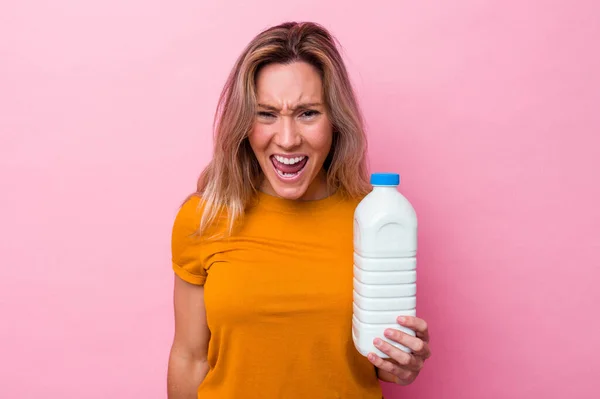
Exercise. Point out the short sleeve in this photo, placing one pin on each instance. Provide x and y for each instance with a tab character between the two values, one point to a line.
186	247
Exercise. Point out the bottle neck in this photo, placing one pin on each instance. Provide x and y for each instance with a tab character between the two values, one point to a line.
385	188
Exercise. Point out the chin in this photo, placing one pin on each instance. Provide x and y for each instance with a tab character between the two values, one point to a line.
287	192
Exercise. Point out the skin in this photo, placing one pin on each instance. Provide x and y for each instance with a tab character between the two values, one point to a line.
402	368
188	363
291	120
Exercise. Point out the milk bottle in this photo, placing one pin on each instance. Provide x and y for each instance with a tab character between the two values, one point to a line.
385	276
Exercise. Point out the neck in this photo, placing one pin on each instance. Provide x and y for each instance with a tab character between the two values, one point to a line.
318	188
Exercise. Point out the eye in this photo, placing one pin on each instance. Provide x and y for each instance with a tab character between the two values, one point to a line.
311	113
265	115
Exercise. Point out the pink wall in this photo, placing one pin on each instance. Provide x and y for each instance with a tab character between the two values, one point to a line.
490	110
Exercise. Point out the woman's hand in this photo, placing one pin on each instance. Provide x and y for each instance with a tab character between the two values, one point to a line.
402	368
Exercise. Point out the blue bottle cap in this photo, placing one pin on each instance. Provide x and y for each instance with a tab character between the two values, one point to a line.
385	179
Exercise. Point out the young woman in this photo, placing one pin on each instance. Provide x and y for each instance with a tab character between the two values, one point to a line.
262	252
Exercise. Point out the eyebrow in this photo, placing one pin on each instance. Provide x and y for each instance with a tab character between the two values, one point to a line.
298	106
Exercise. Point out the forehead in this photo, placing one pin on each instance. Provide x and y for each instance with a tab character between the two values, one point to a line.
289	83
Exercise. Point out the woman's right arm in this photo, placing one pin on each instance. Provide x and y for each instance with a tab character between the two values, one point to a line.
188	357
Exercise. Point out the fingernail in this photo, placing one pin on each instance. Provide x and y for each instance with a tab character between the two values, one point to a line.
401	319
388	333
371	357
377	342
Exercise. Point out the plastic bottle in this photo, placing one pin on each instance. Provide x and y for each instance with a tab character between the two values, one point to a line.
385	275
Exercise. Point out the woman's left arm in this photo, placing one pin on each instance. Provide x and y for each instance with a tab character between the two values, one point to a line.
402	368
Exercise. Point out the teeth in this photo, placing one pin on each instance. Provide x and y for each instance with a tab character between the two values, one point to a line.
288	161
286	174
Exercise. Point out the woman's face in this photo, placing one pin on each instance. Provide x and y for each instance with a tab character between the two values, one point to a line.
292	135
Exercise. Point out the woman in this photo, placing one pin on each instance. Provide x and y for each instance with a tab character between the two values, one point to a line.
262	252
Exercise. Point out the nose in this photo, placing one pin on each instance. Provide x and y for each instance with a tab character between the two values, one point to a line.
288	137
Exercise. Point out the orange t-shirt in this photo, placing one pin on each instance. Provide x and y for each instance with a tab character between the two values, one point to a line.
278	297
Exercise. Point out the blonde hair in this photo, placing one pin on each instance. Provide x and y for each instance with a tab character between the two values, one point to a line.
231	179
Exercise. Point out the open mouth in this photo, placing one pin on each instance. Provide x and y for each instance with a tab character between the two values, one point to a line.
289	167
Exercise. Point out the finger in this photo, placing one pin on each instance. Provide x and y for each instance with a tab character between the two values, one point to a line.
415	344
408	379
386	365
419	326
404	360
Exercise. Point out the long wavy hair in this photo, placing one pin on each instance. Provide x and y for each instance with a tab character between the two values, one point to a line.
231	179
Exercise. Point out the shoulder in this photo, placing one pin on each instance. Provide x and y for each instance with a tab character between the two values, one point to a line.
186	224
189	213
186	248
190	216
190	247
350	202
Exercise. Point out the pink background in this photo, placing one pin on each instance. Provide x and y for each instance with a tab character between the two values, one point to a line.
489	110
